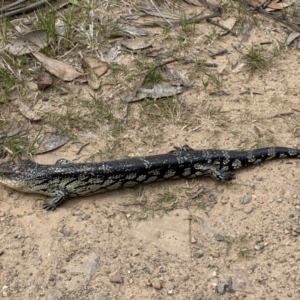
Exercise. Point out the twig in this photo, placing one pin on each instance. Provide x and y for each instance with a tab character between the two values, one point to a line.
8	6
192	20
288	113
80	149
221	52
26	9
265	4
221	26
273	16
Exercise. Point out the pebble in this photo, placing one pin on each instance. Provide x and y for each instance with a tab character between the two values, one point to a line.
259	246
193	240
245	199
248	209
116	277
136	253
296	228
215	254
219	237
156	283
221	287
224	201
198	254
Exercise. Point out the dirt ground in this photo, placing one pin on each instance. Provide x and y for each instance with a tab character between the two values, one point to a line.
178	239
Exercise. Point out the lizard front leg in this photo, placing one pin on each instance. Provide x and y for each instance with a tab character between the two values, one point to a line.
53	203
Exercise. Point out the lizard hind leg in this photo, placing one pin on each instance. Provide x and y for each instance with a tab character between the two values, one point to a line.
214	172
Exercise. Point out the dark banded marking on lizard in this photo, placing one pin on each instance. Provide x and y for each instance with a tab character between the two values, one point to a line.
65	179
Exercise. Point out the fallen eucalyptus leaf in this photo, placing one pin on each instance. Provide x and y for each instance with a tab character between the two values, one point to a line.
113	53
157	91
28	112
135	30
94	69
293	36
158	11
136	46
92	78
52	143
27	43
58	68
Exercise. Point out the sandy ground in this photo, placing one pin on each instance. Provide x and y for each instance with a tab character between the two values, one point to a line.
140	244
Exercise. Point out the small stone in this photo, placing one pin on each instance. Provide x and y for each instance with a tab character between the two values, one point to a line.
224	201
245	199
219	237
44	80
198	254
221	287
156	283
193	240
279	200
215	254
296	228
286	231
259	246
248	209
116	277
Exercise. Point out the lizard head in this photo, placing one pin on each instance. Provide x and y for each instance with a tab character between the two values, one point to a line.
14	174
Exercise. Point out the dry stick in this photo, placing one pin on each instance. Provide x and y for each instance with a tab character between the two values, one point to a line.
221	52
265	4
221	26
288	113
26	9
177	23
8	6
273	16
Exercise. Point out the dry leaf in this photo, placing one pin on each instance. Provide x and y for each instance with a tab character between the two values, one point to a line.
28	112
30	42
134	30
158	11
113	53
293	36
58	68
53	143
133	45
92	78
157	91
94	69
